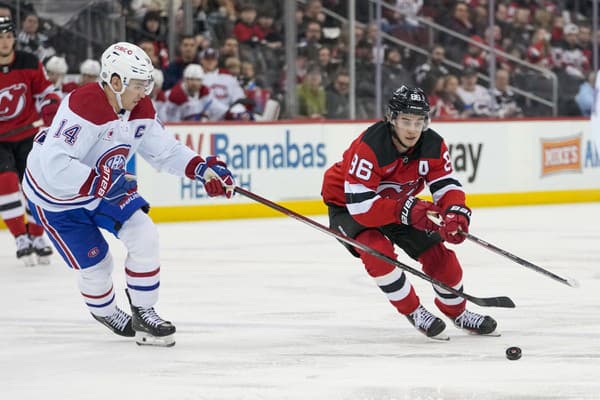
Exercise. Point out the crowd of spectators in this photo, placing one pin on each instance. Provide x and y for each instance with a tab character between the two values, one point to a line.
238	56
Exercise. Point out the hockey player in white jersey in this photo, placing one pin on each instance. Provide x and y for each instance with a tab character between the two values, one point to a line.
76	183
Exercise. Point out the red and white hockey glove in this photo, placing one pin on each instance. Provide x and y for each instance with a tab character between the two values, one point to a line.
456	220
217	179
413	212
49	107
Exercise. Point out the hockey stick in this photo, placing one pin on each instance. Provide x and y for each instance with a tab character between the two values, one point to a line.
15	131
501	301
567	281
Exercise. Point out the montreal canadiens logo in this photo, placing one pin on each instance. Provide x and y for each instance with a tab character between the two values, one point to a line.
93	252
12	101
115	158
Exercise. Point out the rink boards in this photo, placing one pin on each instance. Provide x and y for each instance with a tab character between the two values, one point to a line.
499	163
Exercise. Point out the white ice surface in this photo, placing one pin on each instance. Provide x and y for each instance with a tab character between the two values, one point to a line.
272	309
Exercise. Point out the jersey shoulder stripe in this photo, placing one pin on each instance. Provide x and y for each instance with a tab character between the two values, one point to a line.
379	138
90	103
25	60
143	110
431	144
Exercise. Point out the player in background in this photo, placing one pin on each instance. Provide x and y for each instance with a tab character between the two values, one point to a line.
89	71
76	185
224	86
370	195
23	88
190	100
56	69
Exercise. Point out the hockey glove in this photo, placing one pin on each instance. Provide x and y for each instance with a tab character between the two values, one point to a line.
49	107
215	176
456	224
112	184
413	212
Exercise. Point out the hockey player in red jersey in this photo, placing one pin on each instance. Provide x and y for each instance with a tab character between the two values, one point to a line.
370	196
23	84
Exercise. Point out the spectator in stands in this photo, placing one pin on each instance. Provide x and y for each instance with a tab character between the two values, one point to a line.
187	55
337	94
245	30
313	12
224	87
233	66
311	95
56	69
365	82
460	22
569	56
585	96
475	57
312	39
451	105
403	16
148	46
504	101
433	67
153	30
521	29
539	51
269	36
326	65
393	72
584	40
32	41
476	98
254	89
230	48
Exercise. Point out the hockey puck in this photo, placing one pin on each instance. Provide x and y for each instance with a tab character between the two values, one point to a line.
513	353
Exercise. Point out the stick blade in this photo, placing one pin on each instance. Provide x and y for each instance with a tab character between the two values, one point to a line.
501	301
572	282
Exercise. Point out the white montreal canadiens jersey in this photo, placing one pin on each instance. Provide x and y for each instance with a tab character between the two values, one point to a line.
86	134
224	87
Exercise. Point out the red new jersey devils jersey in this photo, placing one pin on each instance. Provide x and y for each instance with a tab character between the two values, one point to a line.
373	175
20	82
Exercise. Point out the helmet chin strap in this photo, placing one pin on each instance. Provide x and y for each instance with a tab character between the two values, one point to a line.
118	95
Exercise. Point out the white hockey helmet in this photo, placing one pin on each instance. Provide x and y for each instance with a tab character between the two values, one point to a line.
128	62
158	77
193	71
90	67
57	65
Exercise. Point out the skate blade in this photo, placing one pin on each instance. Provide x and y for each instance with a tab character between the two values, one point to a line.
43	260
491	334
144	339
28	261
440	337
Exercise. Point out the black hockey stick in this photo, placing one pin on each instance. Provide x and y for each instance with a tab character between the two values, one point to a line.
17	130
567	281
436	218
501	301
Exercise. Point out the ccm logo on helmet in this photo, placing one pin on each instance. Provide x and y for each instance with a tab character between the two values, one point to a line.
124	49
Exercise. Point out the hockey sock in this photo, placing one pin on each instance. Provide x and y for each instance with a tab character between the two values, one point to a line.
391	280
11	206
95	284
34	229
441	264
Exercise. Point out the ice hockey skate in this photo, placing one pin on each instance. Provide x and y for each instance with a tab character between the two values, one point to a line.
119	322
42	248
150	329
427	323
25	251
476	323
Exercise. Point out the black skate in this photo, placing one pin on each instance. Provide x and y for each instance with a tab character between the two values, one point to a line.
427	323
119	322
150	329
25	250
476	323
42	249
